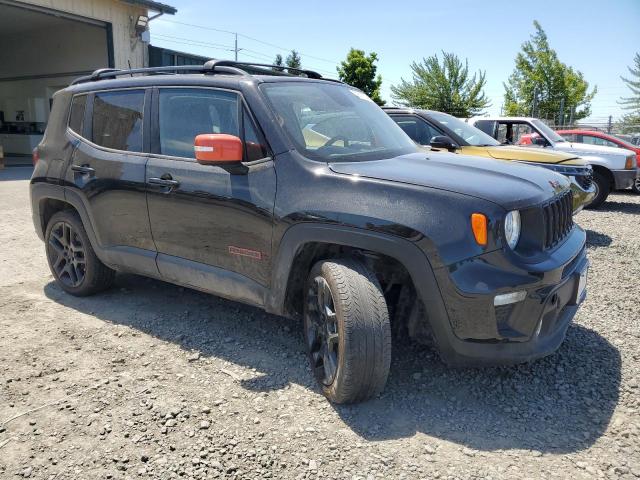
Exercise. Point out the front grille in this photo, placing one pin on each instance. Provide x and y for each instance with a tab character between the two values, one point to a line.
558	219
585	180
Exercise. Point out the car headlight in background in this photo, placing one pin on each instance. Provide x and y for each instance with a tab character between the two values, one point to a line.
566	170
512	228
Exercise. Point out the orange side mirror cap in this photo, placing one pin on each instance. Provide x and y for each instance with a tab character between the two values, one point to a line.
218	148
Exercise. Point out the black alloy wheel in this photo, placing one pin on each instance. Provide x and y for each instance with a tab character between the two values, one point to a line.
66	253
321	332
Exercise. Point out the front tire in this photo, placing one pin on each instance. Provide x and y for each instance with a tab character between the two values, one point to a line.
636	186
347	330
72	260
603	187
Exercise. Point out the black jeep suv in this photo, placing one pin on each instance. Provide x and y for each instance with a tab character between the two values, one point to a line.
301	196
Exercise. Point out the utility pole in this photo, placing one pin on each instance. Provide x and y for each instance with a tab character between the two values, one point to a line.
609	124
572	115
561	122
235	49
534	104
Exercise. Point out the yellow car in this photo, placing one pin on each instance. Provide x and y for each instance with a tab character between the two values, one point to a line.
442	131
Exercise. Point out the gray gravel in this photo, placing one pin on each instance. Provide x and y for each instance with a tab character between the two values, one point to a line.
150	380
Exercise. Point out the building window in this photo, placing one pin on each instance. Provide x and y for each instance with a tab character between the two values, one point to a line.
117	120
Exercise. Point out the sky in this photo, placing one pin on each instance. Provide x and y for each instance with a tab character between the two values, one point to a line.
599	38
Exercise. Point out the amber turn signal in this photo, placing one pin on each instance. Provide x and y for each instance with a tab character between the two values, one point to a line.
629	163
479	227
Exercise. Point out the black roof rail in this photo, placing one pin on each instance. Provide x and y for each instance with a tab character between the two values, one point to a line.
211	67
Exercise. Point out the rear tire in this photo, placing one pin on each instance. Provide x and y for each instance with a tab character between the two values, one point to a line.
603	187
72	260
347	330
636	186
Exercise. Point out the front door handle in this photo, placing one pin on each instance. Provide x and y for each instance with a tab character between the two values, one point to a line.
83	169
163	182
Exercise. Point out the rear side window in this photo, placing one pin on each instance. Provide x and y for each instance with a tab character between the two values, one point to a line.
117	120
188	112
76	118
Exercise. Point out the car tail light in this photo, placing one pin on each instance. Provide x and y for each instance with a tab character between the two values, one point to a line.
35	155
638	159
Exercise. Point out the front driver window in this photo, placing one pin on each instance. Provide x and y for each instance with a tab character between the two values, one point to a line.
188	112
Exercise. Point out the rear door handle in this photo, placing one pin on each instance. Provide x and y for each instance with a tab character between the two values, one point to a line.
83	169
164	182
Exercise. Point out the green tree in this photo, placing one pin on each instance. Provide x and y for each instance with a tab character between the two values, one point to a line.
293	60
279	63
446	87
542	86
631	121
359	70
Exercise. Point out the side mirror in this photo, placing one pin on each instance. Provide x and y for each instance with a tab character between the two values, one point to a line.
443	141
217	149
540	141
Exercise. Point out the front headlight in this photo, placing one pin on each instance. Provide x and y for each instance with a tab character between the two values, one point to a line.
566	170
512	228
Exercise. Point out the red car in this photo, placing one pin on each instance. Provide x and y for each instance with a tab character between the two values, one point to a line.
594	137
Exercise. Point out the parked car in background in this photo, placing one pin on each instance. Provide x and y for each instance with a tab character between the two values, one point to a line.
218	179
613	168
444	132
594	137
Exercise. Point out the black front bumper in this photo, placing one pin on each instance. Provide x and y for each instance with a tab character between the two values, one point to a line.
478	333
624	178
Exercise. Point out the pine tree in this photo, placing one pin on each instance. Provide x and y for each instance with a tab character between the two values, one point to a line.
631	121
293	60
542	86
446	87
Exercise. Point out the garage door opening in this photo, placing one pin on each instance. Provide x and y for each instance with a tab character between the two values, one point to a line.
42	51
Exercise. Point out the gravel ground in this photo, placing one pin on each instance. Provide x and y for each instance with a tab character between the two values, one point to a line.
149	380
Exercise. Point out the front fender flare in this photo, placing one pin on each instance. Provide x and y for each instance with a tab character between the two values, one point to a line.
404	251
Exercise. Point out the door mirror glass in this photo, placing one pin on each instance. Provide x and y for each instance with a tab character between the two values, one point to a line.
538	140
217	149
443	141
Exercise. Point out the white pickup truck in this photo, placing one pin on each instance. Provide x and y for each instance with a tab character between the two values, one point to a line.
613	168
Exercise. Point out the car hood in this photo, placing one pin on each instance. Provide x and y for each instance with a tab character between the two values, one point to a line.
584	149
527	155
510	185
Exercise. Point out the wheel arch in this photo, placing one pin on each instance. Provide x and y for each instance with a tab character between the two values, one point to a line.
47	199
304	244
606	172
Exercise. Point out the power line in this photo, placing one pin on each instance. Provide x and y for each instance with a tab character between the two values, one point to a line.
285	49
230	48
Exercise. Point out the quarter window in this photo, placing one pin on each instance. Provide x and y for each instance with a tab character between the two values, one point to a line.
76	118
117	120
187	113
254	146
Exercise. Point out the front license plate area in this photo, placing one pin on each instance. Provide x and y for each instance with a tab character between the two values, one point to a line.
582	286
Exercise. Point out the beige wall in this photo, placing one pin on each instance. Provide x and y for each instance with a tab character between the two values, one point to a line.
126	46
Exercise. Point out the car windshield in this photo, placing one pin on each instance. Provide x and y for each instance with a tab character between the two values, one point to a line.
470	134
546	131
332	122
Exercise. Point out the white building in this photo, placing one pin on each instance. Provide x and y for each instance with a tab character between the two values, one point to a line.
44	44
